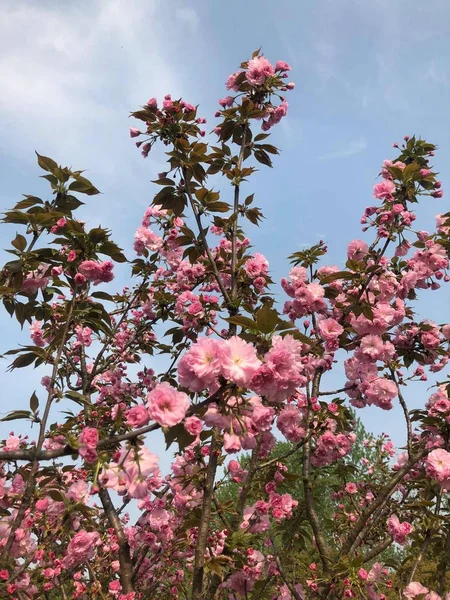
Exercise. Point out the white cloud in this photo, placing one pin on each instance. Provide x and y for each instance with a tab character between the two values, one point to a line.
71	73
354	147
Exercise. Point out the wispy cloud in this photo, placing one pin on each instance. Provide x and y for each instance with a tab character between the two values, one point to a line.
350	149
72	72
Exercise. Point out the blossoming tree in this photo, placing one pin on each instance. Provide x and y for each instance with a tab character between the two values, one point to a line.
85	510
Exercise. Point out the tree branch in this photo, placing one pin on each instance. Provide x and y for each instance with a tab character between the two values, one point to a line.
203	238
31	454
405	412
359	529
307	487
199	558
126	567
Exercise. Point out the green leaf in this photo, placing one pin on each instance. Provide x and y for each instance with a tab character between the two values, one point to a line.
17	414
29	201
15	266
261	136
178	433
262	157
34	402
221	207
24	360
164	181
103	296
243	322
266	318
46	163
336	276
78	398
97	235
56	495
19	242
84	186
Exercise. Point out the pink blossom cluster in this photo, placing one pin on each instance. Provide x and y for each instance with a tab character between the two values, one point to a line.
399	531
129	473
94	272
419	591
437	466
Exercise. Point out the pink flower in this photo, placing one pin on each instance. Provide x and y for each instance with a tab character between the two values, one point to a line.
78	491
351	488
381	392
357	250
362	574
280	65
384	190
36	334
34	282
146	239
88	440
81	548
437	465
134	132
256	266
199	368
166	405
231	81
330	330
231	443
84	335
414	589
259	68
262	416
398	530
227	101
137	416
89	437
290	423
97	272
193	425
238	361
281	374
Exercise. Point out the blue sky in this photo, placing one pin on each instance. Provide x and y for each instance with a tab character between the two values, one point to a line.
366	74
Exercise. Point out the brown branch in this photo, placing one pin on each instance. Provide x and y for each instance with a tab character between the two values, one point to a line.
126	566
426	542
130	303
199	558
292	589
203	238
307	487
247	485
293	450
376	550
31	454
235	217
405	412
339	391
359	529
